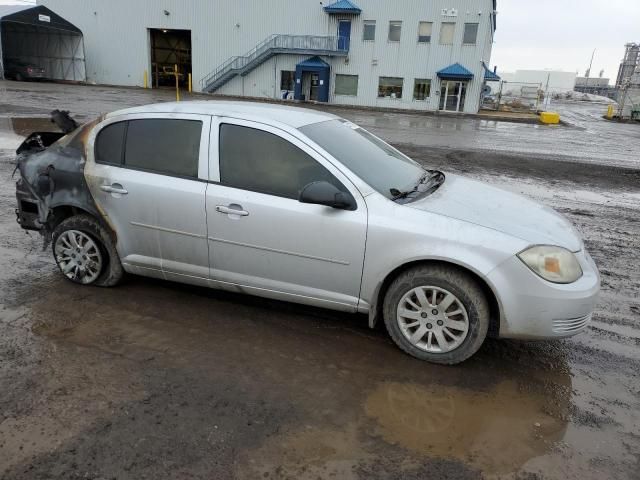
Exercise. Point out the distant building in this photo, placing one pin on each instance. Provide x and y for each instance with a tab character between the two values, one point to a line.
592	82
629	71
594	86
379	53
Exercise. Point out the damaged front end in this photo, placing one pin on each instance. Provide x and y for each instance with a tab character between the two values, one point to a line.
51	166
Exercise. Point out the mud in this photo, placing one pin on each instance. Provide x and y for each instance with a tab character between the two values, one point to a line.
159	380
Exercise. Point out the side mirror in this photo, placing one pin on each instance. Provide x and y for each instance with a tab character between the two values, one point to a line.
324	193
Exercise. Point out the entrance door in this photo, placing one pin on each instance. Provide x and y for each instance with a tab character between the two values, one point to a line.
344	34
452	95
315	85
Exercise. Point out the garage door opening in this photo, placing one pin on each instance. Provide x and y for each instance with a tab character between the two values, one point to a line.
34	41
170	48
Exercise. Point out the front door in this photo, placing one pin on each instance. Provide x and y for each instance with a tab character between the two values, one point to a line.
148	174
262	239
452	95
344	34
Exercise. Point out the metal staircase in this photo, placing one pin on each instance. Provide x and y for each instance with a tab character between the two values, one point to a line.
270	46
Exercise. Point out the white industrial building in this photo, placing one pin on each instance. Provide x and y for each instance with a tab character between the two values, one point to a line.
409	54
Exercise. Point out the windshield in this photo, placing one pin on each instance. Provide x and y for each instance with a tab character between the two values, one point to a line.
380	165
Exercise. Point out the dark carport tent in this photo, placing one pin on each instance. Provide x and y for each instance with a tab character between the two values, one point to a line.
35	34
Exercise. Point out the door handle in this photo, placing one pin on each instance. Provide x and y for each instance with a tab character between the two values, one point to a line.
229	210
114	188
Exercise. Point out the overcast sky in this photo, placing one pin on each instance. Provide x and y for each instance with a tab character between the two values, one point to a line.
558	34
561	34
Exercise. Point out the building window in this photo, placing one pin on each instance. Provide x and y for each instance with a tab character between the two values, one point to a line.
470	33
346	85
421	89
395	28
369	32
287	80
390	87
424	32
447	29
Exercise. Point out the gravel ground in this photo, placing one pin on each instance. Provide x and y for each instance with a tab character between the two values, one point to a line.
159	380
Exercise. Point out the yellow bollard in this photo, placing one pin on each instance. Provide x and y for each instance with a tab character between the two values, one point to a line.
610	112
175	71
189	82
146	79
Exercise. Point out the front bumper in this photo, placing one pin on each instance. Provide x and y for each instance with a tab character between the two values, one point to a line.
533	308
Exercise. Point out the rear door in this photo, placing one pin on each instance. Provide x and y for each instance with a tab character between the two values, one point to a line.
261	238
148	174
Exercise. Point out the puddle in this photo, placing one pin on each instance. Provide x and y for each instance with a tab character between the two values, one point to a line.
495	431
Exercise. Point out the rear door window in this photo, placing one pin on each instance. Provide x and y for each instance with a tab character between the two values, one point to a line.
109	144
260	161
165	146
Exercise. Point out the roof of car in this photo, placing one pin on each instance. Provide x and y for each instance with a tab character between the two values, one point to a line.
292	116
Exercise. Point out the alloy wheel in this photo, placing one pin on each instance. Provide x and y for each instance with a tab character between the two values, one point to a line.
78	256
433	319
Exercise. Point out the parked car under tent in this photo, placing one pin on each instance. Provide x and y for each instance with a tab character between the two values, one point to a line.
38	36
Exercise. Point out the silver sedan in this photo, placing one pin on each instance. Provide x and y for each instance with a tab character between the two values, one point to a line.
307	207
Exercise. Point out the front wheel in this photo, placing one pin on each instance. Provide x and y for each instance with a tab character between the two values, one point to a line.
437	313
85	252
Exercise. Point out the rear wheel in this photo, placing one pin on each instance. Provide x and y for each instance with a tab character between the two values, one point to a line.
85	252
437	313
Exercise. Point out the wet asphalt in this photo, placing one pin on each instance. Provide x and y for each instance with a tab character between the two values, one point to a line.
159	380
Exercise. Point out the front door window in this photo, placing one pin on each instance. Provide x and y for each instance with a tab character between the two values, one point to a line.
452	95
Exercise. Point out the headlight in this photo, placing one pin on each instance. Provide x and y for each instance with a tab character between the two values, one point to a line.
555	264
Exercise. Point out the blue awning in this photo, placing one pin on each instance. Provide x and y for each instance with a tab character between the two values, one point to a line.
455	72
490	75
313	62
343	6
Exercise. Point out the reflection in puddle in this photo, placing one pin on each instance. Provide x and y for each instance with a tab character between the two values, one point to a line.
495	431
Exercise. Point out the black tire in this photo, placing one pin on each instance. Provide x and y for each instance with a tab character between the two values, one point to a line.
460	284
19	77
111	273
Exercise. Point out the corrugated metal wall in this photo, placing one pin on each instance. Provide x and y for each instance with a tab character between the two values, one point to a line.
117	41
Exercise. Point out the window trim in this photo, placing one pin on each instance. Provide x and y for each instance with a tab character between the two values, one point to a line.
391	98
375	30
389	31
453	35
293	80
464	31
430	36
335	82
203	156
357	189
426	98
